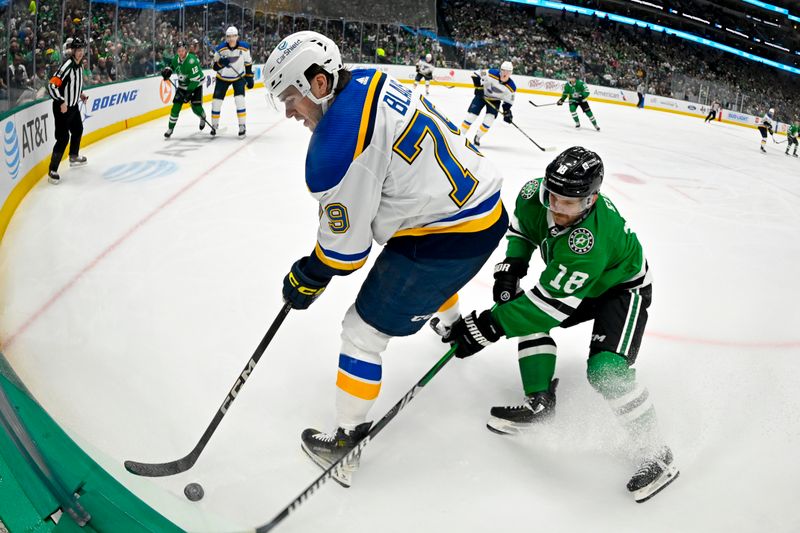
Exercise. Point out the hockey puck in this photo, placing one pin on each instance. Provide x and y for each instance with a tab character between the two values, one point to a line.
194	491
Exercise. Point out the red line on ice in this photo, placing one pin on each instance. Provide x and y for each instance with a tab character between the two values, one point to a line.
114	245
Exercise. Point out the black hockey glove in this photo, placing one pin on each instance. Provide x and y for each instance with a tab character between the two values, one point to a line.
166	73
182	96
507	116
224	61
299	289
249	81
506	279
473	333
560	101
476	81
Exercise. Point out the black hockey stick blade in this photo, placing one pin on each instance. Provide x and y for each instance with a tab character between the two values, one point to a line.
540	105
185	463
355	452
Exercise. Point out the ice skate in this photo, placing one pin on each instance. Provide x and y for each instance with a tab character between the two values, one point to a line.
168	133
762	149
53	177
325	449
577	126
202	124
476	141
537	408
77	160
242	130
654	474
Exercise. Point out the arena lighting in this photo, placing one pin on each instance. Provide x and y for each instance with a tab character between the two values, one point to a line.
740	34
558	6
770	7
776	46
648	4
698	19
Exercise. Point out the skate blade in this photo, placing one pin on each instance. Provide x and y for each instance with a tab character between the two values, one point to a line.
342	475
504	427
645	493
83	163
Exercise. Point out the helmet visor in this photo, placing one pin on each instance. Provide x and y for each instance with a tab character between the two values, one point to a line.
565	205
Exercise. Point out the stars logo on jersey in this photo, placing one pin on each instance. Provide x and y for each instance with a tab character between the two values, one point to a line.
529	189
581	240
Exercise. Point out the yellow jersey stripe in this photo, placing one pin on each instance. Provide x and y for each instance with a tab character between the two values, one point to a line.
339	265
470	226
365	113
359	389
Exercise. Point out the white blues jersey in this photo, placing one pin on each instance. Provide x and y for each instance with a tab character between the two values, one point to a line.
767	120
495	89
240	61
384	165
424	68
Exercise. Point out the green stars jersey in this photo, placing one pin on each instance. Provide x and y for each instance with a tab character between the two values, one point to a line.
793	131
582	261
576	93
190	75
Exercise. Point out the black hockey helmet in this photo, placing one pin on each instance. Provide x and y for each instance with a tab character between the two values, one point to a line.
576	173
180	44
76	43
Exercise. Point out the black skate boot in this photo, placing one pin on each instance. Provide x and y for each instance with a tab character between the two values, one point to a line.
511	420
654	474
202	123
438	326
476	141
168	133
242	130
578	125
53	177
77	160
762	149
325	449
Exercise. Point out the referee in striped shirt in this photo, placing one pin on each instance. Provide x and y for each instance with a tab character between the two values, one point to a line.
66	90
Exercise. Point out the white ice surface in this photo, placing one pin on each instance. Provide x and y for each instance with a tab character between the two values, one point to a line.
129	308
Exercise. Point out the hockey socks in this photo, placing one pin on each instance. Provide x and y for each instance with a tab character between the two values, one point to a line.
537	362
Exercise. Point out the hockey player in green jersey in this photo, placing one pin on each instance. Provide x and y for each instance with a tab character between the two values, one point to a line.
791	137
594	270
577	92
190	86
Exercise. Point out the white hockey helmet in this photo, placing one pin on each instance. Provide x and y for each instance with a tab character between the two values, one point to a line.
771	110
506	65
428	57
288	62
231	31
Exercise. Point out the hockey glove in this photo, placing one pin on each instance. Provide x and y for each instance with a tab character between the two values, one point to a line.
166	73
224	61
507	116
182	96
249	81
560	101
506	279
299	289
473	333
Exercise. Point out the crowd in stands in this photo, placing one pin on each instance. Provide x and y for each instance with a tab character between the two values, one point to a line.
127	43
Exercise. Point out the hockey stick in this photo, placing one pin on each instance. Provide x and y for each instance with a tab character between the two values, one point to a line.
548	149
540	105
327	474
203	118
778	142
185	463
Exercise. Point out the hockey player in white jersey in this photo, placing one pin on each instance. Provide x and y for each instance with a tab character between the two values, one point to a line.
766	127
492	88
234	66
424	71
390	168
